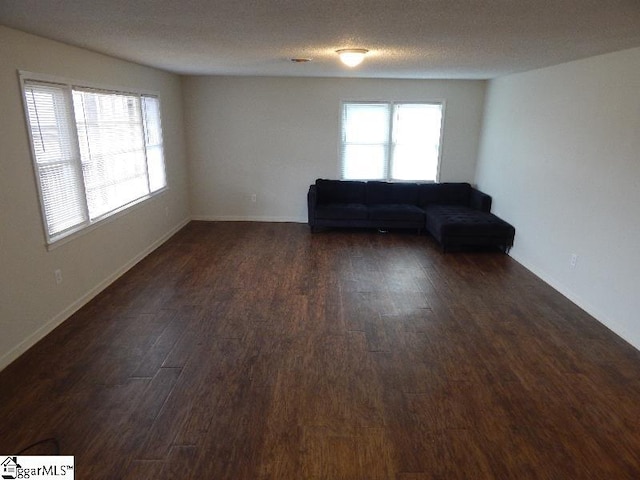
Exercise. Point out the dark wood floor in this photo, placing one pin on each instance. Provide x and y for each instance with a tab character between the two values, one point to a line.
260	351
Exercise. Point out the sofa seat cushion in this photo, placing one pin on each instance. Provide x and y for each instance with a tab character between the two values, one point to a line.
451	220
397	212
341	211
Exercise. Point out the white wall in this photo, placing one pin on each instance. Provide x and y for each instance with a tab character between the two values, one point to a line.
274	136
560	153
31	304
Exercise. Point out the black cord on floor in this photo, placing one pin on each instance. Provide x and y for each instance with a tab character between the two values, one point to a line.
53	441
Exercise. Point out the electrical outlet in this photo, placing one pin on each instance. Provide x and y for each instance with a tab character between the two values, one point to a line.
253	198
574	260
58	275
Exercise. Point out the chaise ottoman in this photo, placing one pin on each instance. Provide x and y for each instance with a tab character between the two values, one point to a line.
455	226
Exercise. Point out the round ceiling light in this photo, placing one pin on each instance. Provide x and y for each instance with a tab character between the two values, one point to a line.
352	57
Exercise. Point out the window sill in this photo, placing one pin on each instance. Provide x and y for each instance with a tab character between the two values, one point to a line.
107	218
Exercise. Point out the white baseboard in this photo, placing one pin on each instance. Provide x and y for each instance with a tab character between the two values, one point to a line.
50	325
241	218
587	306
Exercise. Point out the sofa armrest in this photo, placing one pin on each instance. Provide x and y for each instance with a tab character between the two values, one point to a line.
479	200
312	201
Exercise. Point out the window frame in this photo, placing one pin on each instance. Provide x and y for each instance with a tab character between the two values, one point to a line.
390	137
88	224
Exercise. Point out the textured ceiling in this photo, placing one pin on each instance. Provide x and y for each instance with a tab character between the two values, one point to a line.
406	38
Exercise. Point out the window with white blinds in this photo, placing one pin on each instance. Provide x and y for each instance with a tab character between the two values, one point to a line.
95	152
56	157
391	141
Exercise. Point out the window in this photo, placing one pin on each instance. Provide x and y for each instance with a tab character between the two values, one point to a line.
391	141
95	152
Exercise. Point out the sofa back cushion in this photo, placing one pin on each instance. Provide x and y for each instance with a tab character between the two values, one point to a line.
392	193
340	191
444	194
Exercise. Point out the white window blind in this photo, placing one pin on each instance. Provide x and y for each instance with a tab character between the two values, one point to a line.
95	152
153	143
365	141
56	157
416	141
112	147
391	141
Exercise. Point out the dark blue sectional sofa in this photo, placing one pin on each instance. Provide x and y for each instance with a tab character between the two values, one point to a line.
457	215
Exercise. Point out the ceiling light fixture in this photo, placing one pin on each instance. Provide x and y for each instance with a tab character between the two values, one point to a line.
352	57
